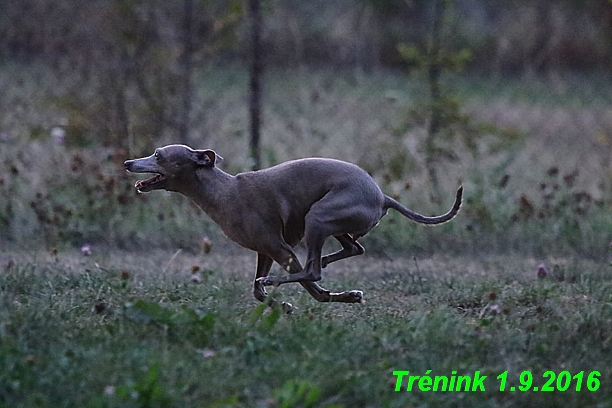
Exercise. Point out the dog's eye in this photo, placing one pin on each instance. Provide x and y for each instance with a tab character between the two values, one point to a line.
156	154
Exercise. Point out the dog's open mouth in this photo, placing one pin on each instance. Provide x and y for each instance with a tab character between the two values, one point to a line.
149	184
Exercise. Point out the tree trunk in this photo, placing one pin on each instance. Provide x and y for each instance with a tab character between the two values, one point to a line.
255	83
186	67
433	77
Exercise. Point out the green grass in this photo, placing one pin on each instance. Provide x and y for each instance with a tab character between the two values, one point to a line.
127	327
158	339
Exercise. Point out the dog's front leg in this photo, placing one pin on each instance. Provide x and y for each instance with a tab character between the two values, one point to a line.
264	263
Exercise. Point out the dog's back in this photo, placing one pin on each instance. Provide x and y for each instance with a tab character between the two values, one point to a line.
306	181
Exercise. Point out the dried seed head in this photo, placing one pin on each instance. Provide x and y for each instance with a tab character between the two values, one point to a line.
542	271
100	306
553	171
206	245
504	181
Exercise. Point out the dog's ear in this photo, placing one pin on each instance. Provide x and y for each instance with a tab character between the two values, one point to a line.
206	157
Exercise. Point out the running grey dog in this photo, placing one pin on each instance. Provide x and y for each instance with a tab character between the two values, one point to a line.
270	211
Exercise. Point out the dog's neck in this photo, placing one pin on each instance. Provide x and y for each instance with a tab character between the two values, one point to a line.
211	189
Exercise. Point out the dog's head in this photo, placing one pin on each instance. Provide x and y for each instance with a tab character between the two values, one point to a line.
171	165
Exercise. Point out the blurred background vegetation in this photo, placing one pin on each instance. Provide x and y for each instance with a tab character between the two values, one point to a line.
511	98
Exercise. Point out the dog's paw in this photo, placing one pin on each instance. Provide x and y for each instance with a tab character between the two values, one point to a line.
266	281
286	307
353	296
356	296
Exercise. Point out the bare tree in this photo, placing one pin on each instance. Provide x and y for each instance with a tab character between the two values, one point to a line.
186	71
255	82
433	78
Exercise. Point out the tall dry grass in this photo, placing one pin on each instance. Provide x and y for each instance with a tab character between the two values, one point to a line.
551	193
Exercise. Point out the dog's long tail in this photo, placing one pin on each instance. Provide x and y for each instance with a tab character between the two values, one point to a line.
421	219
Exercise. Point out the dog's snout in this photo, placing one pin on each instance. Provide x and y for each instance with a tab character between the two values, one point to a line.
128	163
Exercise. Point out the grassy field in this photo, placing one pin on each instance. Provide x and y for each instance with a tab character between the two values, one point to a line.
130	325
117	329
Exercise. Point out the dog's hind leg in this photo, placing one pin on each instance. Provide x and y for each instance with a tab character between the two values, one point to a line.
264	263
315	236
324	295
316	291
350	247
